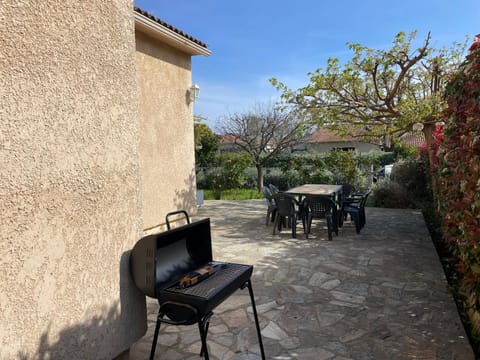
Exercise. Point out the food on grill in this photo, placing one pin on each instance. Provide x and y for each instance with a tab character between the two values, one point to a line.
196	276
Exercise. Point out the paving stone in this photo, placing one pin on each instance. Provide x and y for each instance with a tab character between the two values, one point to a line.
273	315
355	288
168	354
273	331
336	347
236	319
290	343
319	278
302	289
245	357
218	329
416	286
338	267
357	272
224	339
167	339
376	261
263	308
353	335
188	336
312	354
219	351
330	284
328	318
232	303
346	297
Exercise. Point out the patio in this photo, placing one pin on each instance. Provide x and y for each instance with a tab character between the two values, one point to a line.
381	294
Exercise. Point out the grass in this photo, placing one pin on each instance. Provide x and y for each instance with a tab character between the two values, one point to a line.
235	194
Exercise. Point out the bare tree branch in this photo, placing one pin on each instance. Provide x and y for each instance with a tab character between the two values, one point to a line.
265	132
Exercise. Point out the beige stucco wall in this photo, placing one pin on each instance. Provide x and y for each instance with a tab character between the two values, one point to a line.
69	180
167	155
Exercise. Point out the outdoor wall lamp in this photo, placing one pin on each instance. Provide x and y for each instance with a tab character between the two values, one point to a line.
194	92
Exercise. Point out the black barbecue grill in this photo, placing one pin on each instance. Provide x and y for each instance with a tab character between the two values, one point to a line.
158	262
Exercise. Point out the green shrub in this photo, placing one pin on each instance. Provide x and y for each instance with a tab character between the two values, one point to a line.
458	166
342	165
413	176
233	165
214	181
251	178
376	158
278	178
230	175
288	170
403	151
321	176
389	194
279	161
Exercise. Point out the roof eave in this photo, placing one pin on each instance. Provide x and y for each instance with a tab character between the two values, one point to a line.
168	36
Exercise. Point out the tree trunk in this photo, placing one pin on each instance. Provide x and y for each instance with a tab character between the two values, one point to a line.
429	128
259	176
428	133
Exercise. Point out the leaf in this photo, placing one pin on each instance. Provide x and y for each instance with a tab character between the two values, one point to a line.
475	268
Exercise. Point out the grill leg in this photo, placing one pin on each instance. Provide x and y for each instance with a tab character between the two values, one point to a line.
257	324
203	328
155	336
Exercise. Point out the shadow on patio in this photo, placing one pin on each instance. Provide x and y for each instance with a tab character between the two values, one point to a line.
381	294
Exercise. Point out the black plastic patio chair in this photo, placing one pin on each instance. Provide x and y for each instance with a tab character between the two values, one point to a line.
271	206
356	209
348	190
273	189
321	207
289	212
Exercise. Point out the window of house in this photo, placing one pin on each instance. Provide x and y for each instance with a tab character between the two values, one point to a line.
346	148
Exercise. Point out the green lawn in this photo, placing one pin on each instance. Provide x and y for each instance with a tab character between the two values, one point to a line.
235	194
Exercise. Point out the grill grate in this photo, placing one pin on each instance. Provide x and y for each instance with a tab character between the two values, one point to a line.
216	282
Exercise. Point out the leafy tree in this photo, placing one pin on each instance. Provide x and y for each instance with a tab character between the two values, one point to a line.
343	165
206	145
379	92
230	174
233	166
265	132
404	151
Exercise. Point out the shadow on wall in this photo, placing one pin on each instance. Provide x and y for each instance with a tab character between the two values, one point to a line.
100	337
185	199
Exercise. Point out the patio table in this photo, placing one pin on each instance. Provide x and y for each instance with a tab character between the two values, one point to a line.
335	192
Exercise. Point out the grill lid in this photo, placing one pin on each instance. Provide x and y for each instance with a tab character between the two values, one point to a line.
158	261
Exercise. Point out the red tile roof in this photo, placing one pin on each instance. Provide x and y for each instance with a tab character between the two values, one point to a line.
325	135
227	139
173	28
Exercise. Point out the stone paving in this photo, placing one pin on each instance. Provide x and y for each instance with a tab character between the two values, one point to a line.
380	294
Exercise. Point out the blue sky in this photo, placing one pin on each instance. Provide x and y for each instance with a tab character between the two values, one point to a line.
254	40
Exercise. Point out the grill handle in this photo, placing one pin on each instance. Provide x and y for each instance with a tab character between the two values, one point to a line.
178	212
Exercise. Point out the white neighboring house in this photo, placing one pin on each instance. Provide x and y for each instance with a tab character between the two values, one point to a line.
324	140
